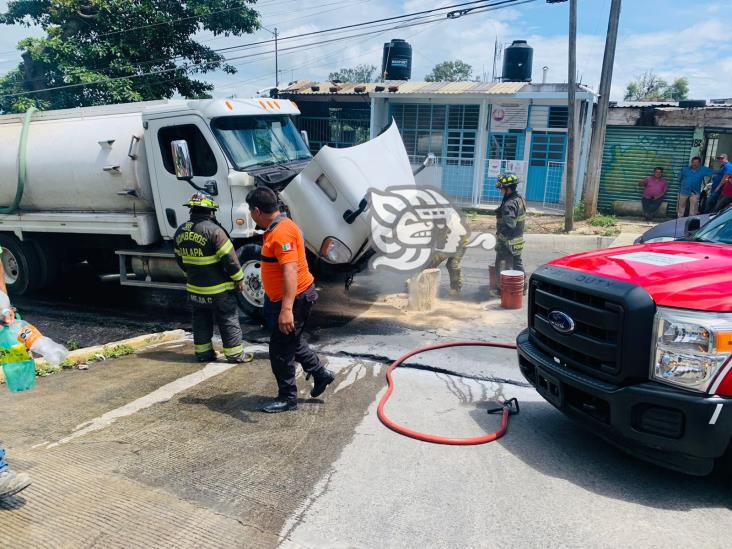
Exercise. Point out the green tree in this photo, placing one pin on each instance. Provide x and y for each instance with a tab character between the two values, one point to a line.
450	71
101	42
651	87
359	73
679	90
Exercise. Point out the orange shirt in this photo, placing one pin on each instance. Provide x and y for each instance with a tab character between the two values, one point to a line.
283	243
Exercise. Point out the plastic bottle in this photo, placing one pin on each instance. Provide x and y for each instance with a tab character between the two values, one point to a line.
32	338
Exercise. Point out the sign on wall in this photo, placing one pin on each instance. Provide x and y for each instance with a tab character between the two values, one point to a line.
509	116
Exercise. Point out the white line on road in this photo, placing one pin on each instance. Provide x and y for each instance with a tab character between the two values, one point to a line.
164	393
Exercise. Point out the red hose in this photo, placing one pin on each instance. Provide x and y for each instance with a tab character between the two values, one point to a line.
394	426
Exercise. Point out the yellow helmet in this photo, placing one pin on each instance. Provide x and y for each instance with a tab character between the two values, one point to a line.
202	200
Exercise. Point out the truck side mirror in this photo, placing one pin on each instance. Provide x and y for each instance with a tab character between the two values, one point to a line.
691	226
182	160
429	160
305	138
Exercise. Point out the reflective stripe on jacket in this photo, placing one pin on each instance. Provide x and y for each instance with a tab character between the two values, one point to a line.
203	250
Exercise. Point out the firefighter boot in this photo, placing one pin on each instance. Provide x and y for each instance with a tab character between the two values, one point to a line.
322	380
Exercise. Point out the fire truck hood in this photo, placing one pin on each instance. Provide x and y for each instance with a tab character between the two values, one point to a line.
688	275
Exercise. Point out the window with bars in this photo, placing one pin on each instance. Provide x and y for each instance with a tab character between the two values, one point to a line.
558	117
506	146
444	130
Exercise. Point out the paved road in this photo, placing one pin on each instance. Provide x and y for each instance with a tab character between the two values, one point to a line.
157	450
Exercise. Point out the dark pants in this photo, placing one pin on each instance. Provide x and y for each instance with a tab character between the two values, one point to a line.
223	310
506	261
711	202
650	206
284	349
722	203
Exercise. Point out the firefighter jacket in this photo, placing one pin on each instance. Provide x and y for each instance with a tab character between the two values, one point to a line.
205	252
511	216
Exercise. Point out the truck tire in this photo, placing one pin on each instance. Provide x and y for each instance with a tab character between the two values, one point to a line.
50	262
23	269
251	300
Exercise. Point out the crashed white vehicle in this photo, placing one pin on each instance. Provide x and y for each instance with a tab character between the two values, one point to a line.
95	183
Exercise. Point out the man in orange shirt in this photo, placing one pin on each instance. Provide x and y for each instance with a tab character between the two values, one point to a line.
289	297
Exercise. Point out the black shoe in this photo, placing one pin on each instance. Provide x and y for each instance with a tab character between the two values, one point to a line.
207	357
277	406
321	382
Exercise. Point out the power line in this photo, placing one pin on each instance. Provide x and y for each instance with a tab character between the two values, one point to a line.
141	64
414	21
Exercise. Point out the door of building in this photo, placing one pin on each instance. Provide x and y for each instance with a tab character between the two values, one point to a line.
546	147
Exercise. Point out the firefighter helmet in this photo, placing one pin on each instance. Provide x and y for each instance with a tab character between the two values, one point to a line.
202	200
507	180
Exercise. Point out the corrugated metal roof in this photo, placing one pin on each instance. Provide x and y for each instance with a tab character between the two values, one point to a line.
402	87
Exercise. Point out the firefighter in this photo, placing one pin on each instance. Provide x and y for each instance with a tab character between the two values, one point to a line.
511	216
206	254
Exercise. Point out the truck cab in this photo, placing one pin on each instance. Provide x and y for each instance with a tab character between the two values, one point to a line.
95	182
636	344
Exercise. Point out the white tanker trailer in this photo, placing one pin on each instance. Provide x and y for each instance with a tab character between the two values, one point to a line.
99	182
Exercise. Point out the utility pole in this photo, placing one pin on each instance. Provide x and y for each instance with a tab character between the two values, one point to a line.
277	67
592	184
571	124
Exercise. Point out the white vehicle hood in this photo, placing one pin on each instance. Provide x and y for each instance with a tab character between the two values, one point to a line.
346	175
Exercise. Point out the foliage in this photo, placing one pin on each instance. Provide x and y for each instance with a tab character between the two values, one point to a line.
100	42
651	87
579	213
73	344
450	71
359	73
600	220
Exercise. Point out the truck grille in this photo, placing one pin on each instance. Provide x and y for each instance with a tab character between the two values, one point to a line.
613	323
595	342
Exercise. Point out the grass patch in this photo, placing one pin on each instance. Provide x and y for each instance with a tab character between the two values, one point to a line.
579	213
72	344
602	221
116	351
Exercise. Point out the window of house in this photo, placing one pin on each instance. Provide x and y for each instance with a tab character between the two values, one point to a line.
202	156
558	117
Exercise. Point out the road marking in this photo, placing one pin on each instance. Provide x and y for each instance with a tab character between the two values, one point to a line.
715	415
162	394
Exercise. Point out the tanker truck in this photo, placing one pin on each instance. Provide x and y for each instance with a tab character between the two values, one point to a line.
108	185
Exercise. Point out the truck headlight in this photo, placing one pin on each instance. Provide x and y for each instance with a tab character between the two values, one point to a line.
691	347
335	251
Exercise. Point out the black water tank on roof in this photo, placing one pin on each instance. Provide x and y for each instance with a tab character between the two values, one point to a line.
396	62
517	61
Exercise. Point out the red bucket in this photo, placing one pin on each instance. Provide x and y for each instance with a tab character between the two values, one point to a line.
512	289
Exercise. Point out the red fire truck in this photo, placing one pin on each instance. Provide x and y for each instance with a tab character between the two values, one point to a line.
635	342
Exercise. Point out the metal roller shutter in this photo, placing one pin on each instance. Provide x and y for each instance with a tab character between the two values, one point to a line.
630	155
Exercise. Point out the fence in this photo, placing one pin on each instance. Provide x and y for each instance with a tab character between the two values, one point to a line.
554	183
334	131
456	181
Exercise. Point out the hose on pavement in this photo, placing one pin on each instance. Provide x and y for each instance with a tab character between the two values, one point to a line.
508	408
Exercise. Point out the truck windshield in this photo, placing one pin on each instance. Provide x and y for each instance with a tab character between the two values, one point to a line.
260	140
718	230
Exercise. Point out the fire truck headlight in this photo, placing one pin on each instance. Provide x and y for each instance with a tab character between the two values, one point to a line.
691	348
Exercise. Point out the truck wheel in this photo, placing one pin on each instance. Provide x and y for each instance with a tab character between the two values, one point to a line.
251	300
23	269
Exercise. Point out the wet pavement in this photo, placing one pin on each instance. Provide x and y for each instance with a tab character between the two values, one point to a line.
157	450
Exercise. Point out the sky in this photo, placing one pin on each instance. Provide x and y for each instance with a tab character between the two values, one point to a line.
672	38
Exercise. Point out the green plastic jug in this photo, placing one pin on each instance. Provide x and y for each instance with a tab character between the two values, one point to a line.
18	366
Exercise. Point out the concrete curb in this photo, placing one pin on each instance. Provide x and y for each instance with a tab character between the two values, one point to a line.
565	243
137	343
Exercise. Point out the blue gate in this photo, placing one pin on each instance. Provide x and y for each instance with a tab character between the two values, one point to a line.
546	147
